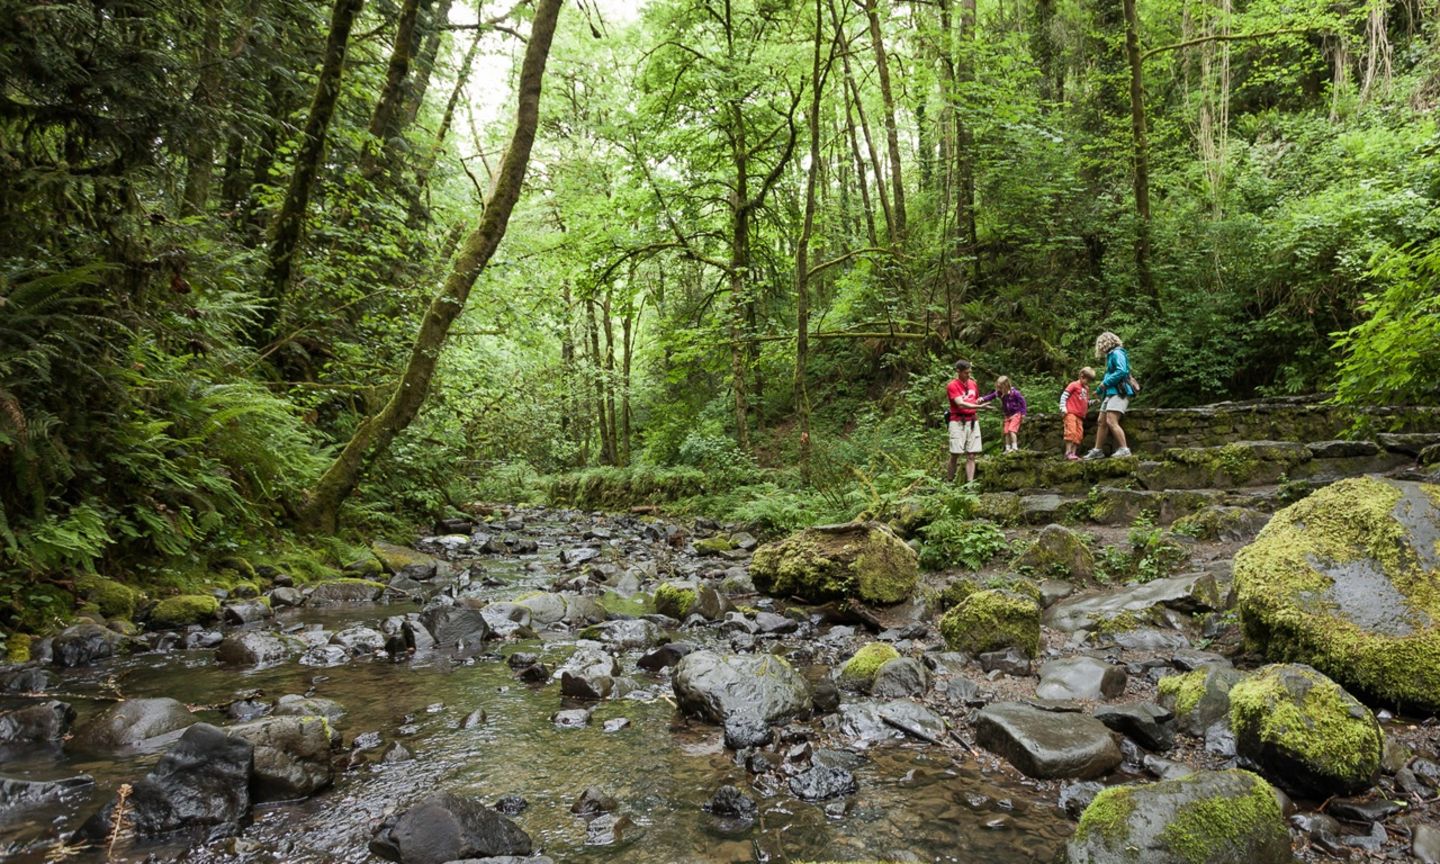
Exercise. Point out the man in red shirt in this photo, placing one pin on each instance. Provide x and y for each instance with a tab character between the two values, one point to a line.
964	400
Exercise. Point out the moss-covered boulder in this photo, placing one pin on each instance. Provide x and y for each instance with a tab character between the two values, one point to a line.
993	620
861	560
1219	522
1348	581
859	671
1304	732
112	599
716	545
183	610
1059	553
1209	817
403	561
679	600
1199	698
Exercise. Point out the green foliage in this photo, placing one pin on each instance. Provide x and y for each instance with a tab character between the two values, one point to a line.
951	542
1393	356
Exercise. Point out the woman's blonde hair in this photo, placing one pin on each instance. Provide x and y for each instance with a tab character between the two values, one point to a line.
1105	343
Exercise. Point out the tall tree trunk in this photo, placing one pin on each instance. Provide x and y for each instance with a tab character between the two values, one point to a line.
385	121
320	510
200	162
597	383
892	132
1141	147
290	221
434	28
802	254
628	324
965	143
567	366
1042	47
860	177
608	309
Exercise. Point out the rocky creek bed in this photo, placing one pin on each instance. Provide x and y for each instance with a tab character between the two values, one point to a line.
587	687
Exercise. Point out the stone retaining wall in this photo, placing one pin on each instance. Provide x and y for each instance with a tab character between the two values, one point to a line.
1151	430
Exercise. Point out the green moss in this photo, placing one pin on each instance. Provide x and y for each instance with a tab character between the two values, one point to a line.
1123	622
1205	830
112	599
183	610
674	600
239	569
955	592
866	561
615	604
1108	814
860	669
713	545
1186	690
1321	729
1281	592
17	648
396	558
993	621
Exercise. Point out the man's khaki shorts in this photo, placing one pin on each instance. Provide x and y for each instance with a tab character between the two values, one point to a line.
964	436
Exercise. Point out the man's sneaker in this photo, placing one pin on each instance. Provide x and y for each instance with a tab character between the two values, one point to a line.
1123	451
1096	453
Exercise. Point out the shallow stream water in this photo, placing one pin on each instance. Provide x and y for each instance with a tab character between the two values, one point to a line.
916	802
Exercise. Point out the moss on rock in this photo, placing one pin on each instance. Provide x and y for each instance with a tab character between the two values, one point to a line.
714	545
674	600
1198	698
1348	581
184	609
394	559
859	671
110	598
992	620
1058	552
17	648
1305	732
863	560
1107	814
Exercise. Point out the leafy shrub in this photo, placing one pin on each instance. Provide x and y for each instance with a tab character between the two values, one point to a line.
952	542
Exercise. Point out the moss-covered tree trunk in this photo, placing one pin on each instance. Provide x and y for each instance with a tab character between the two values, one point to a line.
1141	150
290	221
802	252
892	131
385	121
320	509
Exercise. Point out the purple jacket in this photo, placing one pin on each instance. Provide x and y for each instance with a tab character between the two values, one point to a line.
1011	403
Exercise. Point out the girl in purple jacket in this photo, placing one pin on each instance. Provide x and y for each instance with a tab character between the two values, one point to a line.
1012	405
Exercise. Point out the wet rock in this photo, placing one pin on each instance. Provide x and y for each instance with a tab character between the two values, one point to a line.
292	705
1364	810
736	581
537	673
1317	587
545	609
740	689
203	781
401	561
592	801
865	561
359	640
771	623
1076	796
511	805
608	829
739	622
254	648
1210	816
1058	552
1322	830
680	600
1306	734
819	782
824	697
615	724
1190	592
197	639
453	626
913	719
292	756
578	556
589	673
16	793
582	609
132	723
1011	661
1046	744
571	718
1165	769
247	612
1219	522
242	710
83	644
286	597
506	619
1148	639
416	635
473	719
396	752
1198	698
344	591
1425	843
1080	678
903	676
31	680
447	827
1145	723
43	721
626	634
858	672
959	690
730	802
325	656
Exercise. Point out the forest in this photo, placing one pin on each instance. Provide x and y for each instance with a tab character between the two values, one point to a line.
286	286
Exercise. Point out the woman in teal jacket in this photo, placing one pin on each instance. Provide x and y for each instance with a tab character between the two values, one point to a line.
1114	391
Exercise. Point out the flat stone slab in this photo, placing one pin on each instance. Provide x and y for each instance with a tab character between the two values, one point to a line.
1083	613
1047	744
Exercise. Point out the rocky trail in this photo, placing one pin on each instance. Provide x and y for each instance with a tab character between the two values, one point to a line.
550	684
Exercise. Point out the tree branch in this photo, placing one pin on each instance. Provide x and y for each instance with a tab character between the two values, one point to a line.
1224	37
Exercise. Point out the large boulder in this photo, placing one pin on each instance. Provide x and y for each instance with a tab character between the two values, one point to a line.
863	560
1080	678
1344	581
402	561
33	724
292	755
680	600
589	673
1047	744
337	592
204	780
133	723
1209	817
993	620
447	827
1058	553
740	692
83	644
1305	733
183	610
1199	698
456	625
254	648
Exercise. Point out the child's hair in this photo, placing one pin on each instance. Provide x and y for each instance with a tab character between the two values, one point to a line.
1087	373
1002	381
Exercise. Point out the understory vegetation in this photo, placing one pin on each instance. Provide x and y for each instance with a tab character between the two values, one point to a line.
255	303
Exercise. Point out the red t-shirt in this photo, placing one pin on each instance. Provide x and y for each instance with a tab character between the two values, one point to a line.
1077	398
968	391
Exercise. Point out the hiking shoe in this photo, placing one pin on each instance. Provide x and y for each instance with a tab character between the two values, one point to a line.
1094	454
1123	451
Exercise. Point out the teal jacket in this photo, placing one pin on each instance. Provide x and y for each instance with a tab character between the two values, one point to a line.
1117	375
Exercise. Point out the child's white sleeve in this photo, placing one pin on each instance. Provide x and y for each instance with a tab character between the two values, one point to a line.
1064	400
